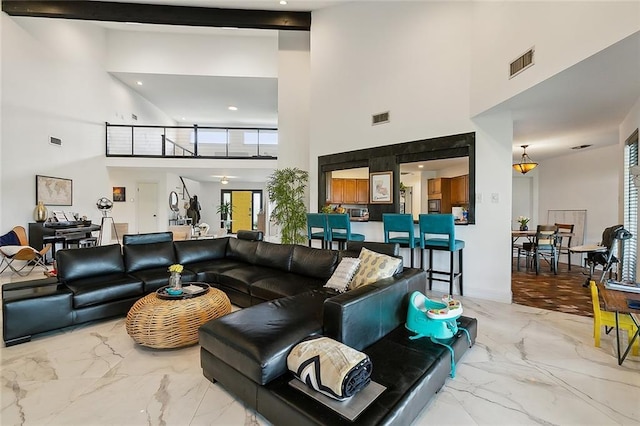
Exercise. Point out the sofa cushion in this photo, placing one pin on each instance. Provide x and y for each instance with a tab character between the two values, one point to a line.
243	277
154	237
313	262
75	264
256	340
111	287
139	257
194	251
274	255
283	285
373	267
242	250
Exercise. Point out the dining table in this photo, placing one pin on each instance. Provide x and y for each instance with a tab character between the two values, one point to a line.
516	234
618	301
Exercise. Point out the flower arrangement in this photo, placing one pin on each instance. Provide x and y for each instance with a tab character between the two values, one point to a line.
176	268
523	220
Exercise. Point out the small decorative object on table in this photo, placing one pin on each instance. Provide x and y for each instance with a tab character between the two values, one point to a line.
40	213
523	220
175	281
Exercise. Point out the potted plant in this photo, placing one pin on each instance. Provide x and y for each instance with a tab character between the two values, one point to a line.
225	210
286	188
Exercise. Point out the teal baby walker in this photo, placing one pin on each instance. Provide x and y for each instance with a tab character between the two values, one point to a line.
436	320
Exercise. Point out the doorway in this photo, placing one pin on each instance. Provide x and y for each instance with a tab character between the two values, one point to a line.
245	206
147	217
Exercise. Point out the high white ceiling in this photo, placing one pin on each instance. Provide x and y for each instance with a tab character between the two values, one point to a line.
582	105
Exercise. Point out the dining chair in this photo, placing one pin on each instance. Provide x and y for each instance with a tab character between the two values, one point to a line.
608	320
562	247
317	228
442	226
399	228
543	246
339	229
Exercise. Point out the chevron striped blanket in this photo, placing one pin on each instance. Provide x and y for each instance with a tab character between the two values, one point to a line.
330	367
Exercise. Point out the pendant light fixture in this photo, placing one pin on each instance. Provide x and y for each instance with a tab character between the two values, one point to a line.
526	164
224	180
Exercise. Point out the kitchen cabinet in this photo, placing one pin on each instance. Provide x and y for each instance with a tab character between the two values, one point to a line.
349	191
362	191
440	189
460	190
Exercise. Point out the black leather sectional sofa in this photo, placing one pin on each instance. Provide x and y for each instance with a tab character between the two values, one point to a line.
281	287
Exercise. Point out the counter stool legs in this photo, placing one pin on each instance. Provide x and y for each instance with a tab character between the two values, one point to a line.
451	273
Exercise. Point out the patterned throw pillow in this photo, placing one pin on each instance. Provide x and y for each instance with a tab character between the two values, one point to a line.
343	274
373	267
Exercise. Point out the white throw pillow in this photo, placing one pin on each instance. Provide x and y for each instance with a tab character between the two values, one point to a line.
343	274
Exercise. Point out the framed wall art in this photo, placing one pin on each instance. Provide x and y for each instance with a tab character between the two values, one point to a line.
119	194
381	188
54	191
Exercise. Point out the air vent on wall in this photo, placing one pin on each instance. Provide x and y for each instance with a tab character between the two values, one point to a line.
521	64
381	118
55	141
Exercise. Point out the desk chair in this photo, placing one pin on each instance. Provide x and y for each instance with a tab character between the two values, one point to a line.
21	251
443	225
542	247
564	248
317	228
606	259
402	227
608	320
339	229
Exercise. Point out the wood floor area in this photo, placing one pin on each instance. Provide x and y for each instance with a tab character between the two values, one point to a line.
563	292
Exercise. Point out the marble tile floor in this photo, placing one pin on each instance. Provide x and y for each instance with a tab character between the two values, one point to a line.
529	366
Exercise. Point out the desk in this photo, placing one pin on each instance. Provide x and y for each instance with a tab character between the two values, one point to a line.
616	301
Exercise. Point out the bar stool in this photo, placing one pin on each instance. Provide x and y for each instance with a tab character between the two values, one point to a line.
441	224
400	223
339	229
317	221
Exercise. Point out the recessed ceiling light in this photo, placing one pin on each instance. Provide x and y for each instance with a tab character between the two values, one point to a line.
224	180
139	83
230	28
233	108
420	166
283	2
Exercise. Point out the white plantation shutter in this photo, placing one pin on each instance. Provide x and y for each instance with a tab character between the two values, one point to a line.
629	256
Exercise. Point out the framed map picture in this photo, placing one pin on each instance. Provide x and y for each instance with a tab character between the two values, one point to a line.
381	189
54	191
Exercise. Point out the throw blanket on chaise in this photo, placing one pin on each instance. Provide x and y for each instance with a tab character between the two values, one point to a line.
330	367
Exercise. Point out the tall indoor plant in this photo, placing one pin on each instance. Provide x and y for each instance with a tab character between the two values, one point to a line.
225	210
286	188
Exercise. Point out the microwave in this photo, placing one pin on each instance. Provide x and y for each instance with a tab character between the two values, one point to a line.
433	206
358	212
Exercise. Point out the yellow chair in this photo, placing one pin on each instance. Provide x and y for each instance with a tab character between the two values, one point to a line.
608	319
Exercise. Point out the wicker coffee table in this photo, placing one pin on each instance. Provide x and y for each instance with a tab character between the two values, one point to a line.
165	323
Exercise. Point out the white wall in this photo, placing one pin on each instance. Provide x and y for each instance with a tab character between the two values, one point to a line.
193	54
54	84
587	180
414	60
563	33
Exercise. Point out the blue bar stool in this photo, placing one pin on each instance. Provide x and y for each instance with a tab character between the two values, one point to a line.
441	224
339	229
399	223
317	228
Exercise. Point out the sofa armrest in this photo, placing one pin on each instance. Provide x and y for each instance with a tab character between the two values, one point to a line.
361	317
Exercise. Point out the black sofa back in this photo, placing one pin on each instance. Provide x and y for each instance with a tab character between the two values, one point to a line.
138	257
154	237
194	251
88	262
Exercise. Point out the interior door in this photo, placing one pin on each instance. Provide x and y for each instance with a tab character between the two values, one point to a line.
147	208
241	211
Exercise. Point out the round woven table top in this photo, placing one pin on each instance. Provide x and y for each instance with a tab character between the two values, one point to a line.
161	323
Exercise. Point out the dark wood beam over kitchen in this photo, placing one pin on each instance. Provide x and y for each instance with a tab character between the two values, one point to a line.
160	14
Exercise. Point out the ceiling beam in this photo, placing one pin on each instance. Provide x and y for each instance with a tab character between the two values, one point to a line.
159	14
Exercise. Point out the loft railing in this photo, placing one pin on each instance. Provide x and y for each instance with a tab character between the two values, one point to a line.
195	141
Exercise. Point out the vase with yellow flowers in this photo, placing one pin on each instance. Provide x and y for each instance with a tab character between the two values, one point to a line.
175	279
